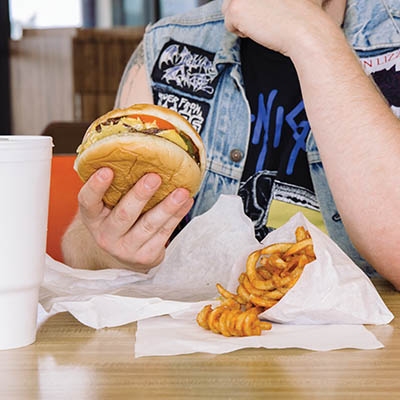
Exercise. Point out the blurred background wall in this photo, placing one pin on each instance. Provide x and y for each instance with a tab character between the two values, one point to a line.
5	94
62	60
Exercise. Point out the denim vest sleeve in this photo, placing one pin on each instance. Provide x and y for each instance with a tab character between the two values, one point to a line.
372	25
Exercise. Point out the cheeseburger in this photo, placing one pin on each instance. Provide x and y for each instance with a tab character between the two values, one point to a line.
141	139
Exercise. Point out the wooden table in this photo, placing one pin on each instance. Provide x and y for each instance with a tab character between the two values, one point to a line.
72	361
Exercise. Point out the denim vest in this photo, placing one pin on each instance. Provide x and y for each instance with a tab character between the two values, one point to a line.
227	127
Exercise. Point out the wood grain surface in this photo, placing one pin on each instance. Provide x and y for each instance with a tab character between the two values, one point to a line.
72	361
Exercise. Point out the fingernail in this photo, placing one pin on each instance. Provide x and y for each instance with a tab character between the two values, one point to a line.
180	196
151	181
103	174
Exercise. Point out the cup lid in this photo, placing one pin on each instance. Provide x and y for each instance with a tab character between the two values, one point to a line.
25	147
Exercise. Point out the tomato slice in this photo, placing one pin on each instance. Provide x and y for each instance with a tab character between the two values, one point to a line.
161	123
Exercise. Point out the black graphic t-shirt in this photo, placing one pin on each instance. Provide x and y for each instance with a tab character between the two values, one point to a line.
276	182
385	71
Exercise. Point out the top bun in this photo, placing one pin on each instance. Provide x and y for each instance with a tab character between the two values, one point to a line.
118	143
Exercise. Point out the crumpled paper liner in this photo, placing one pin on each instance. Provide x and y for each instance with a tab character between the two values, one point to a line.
201	255
214	248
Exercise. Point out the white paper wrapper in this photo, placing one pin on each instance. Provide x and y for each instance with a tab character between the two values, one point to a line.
182	336
214	248
331	289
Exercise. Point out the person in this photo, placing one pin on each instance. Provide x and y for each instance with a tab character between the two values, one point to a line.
285	96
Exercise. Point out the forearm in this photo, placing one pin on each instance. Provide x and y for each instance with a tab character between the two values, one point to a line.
359	141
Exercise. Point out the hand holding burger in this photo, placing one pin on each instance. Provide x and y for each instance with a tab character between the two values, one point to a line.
141	139
149	152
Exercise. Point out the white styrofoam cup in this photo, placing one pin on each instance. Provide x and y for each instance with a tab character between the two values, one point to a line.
25	167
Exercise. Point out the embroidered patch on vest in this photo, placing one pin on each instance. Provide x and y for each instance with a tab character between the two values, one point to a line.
187	68
194	111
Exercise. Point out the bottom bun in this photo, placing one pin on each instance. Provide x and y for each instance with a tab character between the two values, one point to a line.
132	156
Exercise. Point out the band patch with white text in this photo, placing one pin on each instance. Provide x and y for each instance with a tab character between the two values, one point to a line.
187	68
194	111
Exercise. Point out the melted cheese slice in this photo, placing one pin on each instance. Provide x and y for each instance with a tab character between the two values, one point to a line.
136	123
173	136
